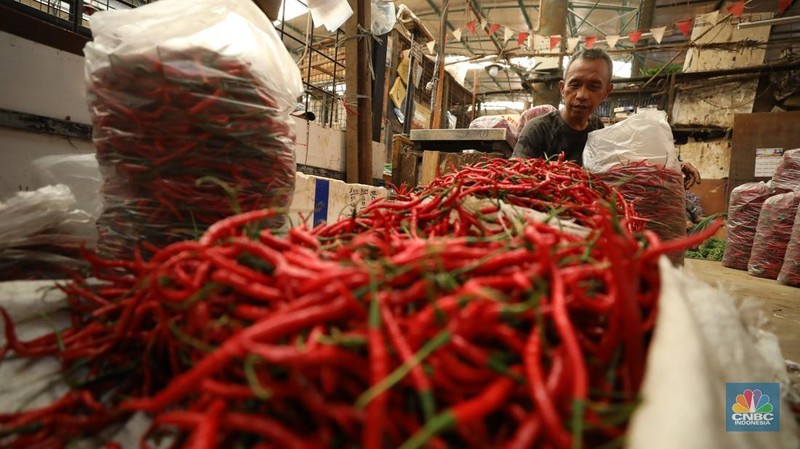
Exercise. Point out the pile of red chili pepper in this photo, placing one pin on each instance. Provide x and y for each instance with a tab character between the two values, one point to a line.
790	272
657	194
183	141
411	324
773	234
744	208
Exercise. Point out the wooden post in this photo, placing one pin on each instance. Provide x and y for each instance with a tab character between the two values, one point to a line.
438	105
358	90
474	91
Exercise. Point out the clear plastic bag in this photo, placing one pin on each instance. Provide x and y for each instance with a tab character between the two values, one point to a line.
644	136
638	157
383	16
743	209
79	172
790	271
191	118
772	235
787	174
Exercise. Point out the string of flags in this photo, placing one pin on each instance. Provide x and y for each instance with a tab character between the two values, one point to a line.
536	42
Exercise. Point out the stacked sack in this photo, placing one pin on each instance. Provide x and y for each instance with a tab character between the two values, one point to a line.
743	211
772	235
787	176
775	234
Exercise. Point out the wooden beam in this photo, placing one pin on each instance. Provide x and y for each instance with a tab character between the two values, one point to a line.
439	86
358	81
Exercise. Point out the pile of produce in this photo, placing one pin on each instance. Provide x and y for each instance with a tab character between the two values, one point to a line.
447	317
711	249
190	120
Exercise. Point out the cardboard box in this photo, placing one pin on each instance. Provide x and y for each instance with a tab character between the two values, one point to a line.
324	200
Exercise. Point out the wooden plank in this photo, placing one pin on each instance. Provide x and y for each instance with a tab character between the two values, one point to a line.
399	144
760	130
430	166
408	169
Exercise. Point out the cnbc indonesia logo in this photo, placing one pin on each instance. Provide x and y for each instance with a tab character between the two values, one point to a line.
753	407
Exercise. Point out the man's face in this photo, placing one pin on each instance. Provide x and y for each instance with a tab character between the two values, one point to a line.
585	86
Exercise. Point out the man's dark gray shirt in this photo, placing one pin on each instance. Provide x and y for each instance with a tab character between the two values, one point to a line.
548	135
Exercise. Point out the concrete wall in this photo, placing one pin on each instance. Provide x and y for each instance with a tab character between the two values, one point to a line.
40	80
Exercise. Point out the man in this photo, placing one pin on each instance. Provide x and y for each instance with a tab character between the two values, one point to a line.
587	82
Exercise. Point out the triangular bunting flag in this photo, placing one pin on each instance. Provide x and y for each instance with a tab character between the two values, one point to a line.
531	42
457	34
554	40
484	24
572	43
783	4
685	26
590	40
523	36
431	46
634	37
508	33
493	28
658	33
612	41
736	9
471	26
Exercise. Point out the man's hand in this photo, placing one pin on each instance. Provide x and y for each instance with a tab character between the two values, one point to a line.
691	175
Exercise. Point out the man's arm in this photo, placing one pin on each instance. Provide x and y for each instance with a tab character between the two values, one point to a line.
532	140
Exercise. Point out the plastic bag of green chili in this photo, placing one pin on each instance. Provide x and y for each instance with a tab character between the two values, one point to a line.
189	101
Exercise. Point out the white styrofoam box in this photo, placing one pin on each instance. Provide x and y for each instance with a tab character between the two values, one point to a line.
325	148
318	199
322	147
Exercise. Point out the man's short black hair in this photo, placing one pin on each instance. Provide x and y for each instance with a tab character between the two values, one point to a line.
593	53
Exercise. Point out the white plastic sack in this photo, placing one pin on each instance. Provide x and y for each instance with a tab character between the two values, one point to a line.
79	172
383	16
26	215
702	341
644	136
236	29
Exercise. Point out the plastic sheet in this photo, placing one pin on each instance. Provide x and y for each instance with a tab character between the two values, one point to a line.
41	233
744	207
383	16
532	113
787	174
190	118
638	157
772	235
790	271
